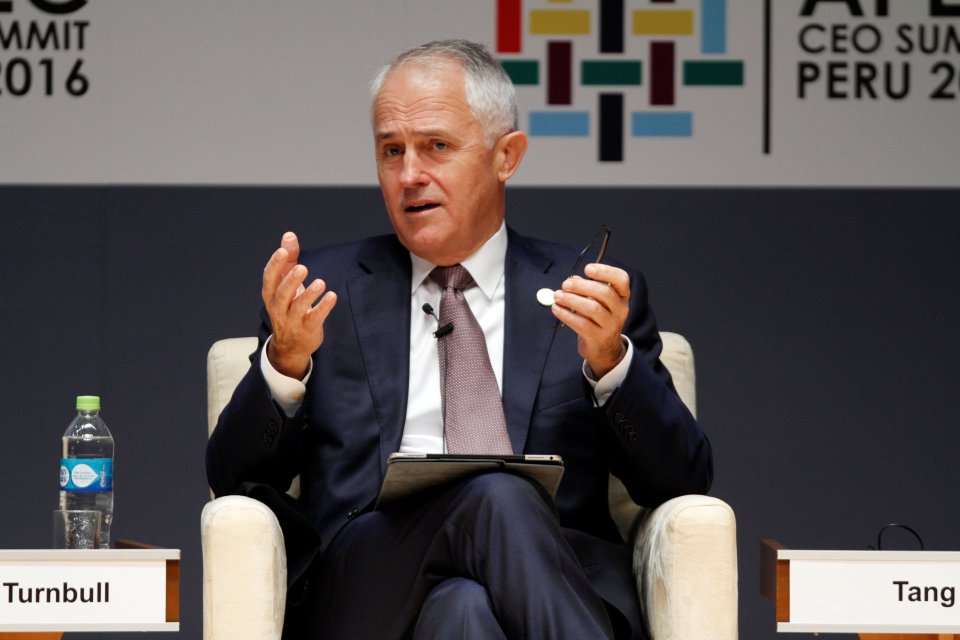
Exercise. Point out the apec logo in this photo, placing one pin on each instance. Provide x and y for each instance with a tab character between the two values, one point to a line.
34	52
645	67
57	8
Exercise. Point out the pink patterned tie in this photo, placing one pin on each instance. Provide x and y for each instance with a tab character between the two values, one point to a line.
473	415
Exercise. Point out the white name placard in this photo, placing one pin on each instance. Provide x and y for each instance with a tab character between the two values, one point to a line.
873	591
86	590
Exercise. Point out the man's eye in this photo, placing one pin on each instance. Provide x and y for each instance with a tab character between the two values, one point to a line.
439	146
391	152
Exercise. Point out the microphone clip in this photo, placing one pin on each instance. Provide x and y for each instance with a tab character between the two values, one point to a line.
443	330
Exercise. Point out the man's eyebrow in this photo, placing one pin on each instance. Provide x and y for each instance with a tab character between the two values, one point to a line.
421	133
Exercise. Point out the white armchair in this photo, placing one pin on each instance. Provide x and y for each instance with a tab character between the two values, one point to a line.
684	560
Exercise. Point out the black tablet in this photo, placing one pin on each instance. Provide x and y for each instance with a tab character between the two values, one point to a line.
408	473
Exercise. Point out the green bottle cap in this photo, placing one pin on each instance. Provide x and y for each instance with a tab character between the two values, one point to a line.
88	403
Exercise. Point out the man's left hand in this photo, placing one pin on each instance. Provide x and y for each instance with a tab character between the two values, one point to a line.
596	309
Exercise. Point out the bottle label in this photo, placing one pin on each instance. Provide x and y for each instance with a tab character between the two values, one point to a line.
88	475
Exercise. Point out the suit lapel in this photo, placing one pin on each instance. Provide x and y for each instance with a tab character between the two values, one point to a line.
380	306
528	333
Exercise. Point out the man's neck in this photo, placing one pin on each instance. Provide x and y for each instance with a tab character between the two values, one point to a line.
485	265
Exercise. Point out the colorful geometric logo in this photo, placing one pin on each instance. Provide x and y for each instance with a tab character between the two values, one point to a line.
555	28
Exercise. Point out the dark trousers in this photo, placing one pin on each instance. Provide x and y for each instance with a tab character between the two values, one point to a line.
482	558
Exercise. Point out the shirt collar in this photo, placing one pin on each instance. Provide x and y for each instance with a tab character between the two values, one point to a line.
485	265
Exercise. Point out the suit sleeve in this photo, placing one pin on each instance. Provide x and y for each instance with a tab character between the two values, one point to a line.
658	449
254	441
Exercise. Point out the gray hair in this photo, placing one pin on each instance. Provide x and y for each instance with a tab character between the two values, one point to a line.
490	92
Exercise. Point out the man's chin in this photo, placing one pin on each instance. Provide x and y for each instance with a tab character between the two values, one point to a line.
428	244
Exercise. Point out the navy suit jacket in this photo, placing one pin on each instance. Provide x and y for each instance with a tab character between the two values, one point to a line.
353	414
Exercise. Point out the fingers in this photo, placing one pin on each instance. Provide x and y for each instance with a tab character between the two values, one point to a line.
291	286
596	309
281	263
602	300
273	273
299	300
613	276
585	315
290	242
317	314
292	300
297	309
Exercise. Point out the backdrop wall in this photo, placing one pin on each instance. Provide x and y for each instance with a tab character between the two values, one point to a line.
627	92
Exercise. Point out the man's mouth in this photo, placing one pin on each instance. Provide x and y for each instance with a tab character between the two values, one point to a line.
420	206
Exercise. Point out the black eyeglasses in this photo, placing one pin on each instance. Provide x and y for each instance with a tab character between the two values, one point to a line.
602	239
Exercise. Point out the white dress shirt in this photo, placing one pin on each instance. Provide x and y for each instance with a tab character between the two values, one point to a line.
423	429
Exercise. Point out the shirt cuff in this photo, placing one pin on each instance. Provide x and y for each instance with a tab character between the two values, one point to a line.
605	386
286	392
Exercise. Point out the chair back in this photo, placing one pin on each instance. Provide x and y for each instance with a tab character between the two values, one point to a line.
227	362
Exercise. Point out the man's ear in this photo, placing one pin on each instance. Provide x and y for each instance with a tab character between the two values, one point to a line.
509	151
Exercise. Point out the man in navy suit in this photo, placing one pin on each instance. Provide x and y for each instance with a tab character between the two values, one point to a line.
348	373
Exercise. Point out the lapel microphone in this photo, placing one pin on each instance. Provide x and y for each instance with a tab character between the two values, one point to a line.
442	329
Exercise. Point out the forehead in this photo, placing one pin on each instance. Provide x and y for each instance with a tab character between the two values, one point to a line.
415	96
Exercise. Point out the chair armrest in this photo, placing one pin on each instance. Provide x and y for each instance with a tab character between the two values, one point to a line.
685	563
244	570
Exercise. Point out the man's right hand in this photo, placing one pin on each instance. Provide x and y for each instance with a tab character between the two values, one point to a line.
295	314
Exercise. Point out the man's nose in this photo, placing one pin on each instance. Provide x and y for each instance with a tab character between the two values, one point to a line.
413	173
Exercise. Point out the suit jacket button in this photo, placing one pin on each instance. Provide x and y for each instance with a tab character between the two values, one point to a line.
353	512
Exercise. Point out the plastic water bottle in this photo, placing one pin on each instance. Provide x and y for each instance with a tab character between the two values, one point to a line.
86	465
